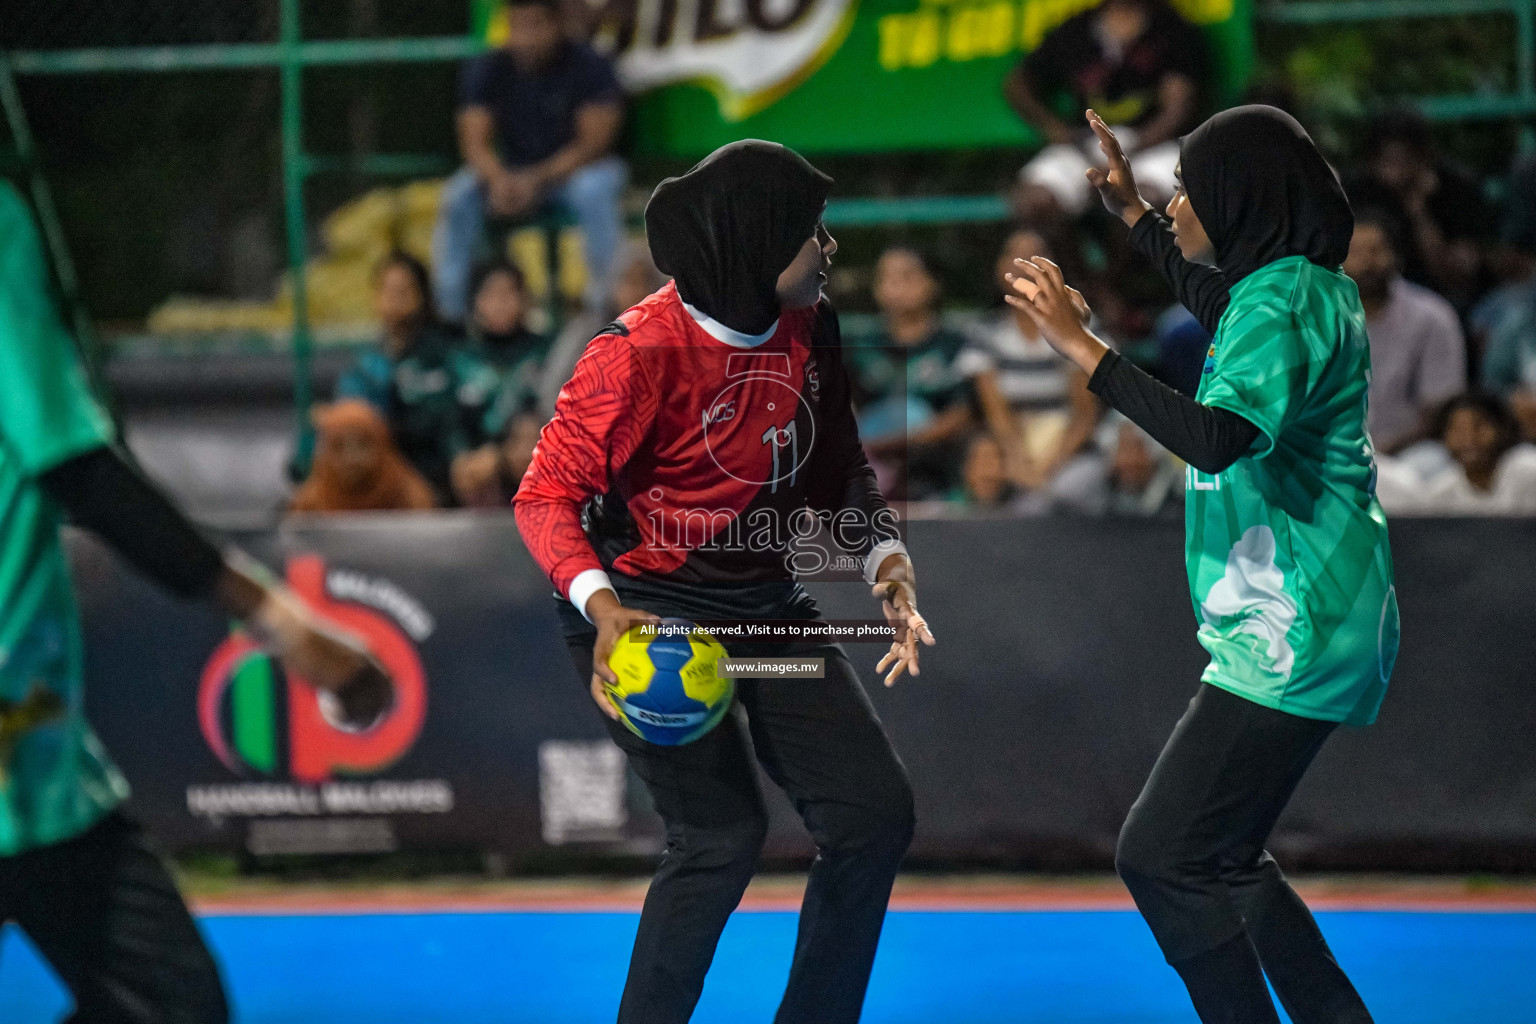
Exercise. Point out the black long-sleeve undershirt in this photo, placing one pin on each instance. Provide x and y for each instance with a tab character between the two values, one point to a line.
1207	438
1201	289
103	493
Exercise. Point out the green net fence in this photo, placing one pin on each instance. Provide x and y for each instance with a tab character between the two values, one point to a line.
168	170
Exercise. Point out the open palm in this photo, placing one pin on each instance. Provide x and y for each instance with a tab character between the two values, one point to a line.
1116	183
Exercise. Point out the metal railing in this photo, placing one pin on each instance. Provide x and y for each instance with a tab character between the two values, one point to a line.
291	55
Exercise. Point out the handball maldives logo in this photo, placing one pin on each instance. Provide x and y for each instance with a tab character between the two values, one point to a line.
254	717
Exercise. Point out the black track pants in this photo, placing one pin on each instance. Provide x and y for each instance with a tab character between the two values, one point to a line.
1192	854
820	741
105	912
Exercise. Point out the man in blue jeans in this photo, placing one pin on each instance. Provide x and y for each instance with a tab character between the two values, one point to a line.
537	123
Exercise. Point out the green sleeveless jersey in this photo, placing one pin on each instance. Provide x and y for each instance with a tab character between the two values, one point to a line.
1287	552
55	779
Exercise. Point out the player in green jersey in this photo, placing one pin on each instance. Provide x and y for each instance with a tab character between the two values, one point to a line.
1288	562
75	873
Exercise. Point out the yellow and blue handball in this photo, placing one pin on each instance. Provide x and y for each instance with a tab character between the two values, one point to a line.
669	691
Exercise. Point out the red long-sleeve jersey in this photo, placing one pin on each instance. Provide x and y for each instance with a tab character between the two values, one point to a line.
680	458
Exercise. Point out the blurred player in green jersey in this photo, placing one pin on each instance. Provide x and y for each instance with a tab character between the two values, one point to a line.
75	873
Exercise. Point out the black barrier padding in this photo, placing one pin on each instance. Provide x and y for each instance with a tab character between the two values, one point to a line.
1066	653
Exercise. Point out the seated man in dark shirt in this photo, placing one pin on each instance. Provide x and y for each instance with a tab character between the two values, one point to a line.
537	123
1135	62
431	387
914	406
516	357
1436	205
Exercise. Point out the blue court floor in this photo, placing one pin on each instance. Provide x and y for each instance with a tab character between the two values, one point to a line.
935	967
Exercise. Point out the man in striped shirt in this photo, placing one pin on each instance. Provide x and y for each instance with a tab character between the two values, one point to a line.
1037	406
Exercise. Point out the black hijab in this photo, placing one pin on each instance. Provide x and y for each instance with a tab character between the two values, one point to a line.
728	228
1264	192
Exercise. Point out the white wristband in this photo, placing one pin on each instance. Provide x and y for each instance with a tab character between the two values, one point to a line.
878	554
587	583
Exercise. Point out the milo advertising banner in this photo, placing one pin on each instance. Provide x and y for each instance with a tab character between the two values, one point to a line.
845	75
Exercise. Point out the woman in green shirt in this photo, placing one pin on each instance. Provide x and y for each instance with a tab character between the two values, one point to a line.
1289	568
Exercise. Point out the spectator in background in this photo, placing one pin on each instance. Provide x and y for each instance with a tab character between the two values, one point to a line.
634	278
1143	478
517	443
1037	407
537	124
1126	473
1137	63
1504	322
1418	356
1512	261
487	478
1182	345
505	343
1509	365
516	356
357	467
1509	356
1490	472
984	482
1439	208
914	407
430	388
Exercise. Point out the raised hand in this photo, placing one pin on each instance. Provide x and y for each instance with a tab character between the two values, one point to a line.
1059	311
355	690
1116	183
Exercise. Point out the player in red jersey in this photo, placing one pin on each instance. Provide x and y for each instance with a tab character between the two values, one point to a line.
698	440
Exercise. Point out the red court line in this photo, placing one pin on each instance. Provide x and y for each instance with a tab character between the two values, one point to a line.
1021	899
